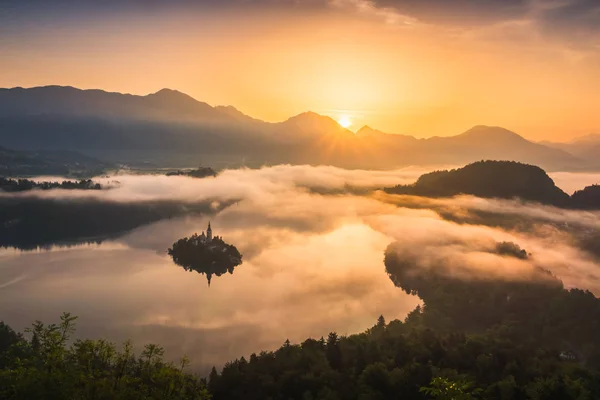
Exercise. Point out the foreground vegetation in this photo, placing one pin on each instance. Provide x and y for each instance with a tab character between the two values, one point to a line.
408	360
201	172
399	360
49	366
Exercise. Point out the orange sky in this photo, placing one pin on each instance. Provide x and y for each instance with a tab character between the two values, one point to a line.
375	65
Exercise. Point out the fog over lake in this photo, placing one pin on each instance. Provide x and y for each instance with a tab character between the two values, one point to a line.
312	260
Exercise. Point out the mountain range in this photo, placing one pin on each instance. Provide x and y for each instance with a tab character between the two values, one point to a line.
585	148
171	129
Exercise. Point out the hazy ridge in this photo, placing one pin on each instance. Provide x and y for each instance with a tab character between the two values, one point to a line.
170	128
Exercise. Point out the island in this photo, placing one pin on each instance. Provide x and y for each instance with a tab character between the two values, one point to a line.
201	172
205	254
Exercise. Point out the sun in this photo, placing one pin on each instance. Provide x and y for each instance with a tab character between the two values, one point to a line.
345	121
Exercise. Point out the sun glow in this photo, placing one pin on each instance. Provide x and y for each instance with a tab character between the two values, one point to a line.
345	121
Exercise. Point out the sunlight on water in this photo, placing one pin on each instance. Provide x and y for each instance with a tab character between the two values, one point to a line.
312	259
291	285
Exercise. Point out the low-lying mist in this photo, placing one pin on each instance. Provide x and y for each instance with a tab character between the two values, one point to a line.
313	247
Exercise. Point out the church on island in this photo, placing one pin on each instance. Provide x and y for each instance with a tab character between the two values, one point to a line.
205	239
205	254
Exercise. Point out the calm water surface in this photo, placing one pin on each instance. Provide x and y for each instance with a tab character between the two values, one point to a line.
312	263
293	284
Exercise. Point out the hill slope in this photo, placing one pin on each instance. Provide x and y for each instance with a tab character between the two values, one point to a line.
585	148
64	163
499	179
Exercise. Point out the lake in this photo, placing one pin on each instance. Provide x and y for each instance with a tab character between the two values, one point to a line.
312	264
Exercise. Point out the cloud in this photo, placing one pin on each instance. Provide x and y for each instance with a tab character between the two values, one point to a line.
575	24
459	12
370	8
572	181
313	262
576	19
234	184
465	207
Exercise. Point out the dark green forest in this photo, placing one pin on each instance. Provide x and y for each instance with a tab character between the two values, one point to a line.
528	339
499	179
21	185
587	198
48	364
201	172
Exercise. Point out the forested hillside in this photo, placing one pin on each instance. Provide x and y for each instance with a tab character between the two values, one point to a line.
499	179
529	339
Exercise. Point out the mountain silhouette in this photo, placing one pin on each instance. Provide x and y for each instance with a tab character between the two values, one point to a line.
586	148
69	101
479	142
312	124
169	128
366	132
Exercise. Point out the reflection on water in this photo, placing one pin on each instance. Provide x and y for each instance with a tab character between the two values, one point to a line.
292	285
313	263
205	254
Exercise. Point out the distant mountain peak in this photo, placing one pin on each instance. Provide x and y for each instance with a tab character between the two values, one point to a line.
167	90
368	132
310	123
311	118
486	129
365	130
179	102
589	138
490	132
309	115
229	108
171	94
231	111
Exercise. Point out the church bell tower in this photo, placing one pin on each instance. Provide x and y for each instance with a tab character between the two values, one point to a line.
209	232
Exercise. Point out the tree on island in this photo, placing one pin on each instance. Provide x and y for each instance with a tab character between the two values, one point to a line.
205	254
201	172
21	185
